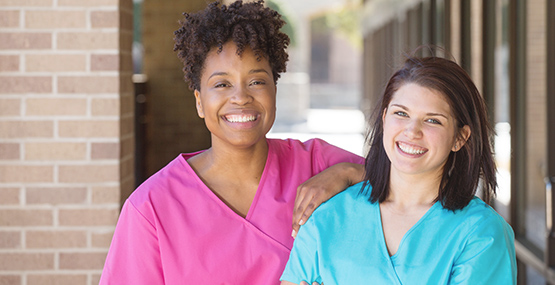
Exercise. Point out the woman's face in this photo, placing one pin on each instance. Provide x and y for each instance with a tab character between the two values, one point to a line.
420	131
237	97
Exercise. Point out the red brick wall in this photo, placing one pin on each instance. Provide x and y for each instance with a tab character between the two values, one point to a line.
66	136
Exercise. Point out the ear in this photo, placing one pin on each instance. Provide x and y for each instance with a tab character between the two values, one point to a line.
462	137
383	114
200	111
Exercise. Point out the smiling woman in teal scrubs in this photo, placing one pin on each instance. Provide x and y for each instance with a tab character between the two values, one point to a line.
415	219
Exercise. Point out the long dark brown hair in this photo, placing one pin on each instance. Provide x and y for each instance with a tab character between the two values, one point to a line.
464	169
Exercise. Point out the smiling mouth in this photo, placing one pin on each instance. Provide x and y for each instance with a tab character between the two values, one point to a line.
240	118
410	149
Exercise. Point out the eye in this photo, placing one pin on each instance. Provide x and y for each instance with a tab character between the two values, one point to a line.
433	121
221	85
258	82
401	113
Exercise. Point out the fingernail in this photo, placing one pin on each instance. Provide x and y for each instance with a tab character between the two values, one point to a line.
294	233
301	222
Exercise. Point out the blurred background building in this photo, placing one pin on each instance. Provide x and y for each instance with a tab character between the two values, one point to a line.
92	102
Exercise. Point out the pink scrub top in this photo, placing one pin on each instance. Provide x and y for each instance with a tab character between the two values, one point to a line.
174	230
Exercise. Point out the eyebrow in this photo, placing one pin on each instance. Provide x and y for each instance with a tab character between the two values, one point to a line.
428	114
252	71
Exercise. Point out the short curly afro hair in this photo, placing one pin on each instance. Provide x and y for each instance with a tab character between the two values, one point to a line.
246	24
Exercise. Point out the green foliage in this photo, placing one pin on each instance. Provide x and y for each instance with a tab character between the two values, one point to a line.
346	21
288	28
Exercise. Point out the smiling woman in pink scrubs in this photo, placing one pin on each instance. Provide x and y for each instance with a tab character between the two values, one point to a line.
223	215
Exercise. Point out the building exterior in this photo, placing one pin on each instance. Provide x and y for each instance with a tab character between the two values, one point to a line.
507	46
66	136
68	109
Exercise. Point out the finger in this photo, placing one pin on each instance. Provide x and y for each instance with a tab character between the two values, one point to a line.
303	283
307	212
301	201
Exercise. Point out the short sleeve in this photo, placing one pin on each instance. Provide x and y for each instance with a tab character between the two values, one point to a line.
326	155
303	260
488	256
134	256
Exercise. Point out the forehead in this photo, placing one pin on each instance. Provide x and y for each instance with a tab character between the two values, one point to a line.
227	60
417	97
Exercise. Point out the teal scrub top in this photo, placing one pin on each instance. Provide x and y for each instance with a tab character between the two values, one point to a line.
343	243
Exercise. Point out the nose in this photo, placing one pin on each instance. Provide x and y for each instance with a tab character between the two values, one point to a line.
241	96
413	129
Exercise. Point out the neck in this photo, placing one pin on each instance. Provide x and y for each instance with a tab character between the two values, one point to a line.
236	163
413	190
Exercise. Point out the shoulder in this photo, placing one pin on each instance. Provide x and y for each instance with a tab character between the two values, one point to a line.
480	219
349	203
176	174
318	150
294	144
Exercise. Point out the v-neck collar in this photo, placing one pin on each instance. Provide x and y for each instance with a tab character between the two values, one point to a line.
222	204
401	248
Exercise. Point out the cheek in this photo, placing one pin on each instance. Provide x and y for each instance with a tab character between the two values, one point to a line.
442	140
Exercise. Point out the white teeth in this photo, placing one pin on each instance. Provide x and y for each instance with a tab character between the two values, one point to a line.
240	119
410	149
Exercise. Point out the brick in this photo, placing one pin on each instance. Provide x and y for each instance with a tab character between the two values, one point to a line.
82	260
104	150
127	167
89	129
10	280
26	173
101	239
9	151
127	126
87	3
10	239
26	129
25	3
26	84
9	196
25	41
127	186
105	195
127	103
56	62
9	63
95	278
105	107
56	239
126	62
126	84
25	218
10	107
9	19
26	261
88	217
104	19
127	4
126	20
88	173
56	107
55	151
127	147
56	196
55	19
126	41
88	41
57	279
88	84
104	62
